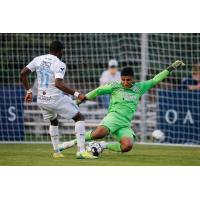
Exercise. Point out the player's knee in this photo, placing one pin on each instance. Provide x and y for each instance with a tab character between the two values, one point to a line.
54	122
126	148
100	132
79	117
126	145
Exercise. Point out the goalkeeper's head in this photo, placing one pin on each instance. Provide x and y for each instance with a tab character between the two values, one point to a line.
56	49
127	77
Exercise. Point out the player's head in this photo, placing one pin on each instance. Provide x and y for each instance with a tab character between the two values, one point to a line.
56	48
127	77
112	66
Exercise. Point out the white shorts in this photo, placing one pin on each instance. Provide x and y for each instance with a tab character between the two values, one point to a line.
63	106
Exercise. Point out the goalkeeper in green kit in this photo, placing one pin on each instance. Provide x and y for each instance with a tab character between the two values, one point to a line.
125	96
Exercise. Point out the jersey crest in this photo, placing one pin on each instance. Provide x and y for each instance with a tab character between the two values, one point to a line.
135	89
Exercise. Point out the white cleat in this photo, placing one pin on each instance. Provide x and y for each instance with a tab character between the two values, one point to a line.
66	145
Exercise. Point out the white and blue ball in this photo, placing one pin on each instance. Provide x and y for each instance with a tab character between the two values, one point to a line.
158	135
94	148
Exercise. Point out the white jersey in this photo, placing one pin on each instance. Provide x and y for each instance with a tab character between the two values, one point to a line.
107	77
50	99
48	68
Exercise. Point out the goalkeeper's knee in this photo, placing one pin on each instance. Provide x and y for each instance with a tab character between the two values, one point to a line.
126	144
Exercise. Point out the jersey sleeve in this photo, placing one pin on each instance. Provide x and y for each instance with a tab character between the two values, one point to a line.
147	85
32	65
105	89
60	71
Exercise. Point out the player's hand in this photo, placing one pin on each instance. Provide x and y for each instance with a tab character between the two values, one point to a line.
81	97
78	102
178	63
28	97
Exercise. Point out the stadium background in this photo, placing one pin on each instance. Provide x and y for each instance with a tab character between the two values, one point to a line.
86	56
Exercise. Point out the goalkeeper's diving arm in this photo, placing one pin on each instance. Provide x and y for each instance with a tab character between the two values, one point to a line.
162	75
105	89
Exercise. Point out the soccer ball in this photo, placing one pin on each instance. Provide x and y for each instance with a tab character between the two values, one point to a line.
94	148
158	136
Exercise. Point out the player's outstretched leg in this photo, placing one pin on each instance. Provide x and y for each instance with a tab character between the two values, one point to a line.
53	130
99	132
71	143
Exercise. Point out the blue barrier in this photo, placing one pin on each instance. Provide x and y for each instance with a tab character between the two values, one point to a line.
11	111
178	116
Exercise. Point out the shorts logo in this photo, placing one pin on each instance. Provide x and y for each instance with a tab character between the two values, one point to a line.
43	98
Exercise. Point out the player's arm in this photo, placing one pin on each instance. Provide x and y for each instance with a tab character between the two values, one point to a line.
146	85
31	67
24	79
102	90
59	82
162	75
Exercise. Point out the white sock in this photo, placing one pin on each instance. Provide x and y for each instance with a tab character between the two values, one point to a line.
103	144
80	135
53	130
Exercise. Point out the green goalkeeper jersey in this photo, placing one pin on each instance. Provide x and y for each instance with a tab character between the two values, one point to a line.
124	101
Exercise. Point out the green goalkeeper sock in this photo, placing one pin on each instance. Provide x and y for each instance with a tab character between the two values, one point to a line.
88	136
114	147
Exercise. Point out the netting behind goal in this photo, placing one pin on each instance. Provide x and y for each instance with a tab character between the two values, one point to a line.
171	107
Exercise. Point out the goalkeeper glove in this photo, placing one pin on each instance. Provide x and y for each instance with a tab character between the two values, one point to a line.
175	65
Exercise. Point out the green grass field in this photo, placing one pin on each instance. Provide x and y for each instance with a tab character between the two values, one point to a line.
142	155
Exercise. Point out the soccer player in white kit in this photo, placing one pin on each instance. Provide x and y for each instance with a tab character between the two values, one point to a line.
51	99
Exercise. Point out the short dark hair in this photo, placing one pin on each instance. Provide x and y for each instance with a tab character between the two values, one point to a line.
56	46
127	71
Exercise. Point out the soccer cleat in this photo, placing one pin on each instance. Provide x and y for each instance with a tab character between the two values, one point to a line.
66	145
58	155
85	155
61	148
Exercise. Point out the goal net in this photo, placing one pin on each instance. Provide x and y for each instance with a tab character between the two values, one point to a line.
172	107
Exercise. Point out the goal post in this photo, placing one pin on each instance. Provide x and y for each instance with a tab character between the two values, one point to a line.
143	75
172	106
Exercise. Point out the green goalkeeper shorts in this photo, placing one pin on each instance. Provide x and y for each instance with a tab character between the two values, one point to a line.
117	127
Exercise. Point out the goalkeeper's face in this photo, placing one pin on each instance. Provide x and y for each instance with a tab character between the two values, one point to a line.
127	81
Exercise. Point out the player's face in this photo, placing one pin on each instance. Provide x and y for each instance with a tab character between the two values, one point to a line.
127	81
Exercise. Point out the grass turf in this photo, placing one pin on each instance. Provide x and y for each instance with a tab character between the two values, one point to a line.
141	155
